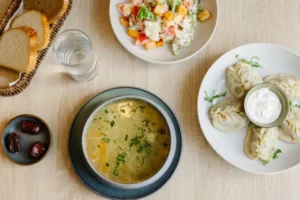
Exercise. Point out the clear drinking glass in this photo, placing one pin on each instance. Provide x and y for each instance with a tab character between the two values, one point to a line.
73	49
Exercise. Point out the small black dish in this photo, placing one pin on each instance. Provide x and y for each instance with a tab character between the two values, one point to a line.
26	140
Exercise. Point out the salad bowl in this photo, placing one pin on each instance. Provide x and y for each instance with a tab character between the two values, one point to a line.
203	32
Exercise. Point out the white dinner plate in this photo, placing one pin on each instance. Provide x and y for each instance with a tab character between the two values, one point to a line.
230	146
163	55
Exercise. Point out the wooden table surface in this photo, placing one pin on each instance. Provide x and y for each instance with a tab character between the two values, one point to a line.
201	174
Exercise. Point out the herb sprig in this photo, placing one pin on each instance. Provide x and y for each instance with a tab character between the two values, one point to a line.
293	105
251	62
275	156
210	99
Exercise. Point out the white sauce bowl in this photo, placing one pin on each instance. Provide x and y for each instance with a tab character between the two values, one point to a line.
283	99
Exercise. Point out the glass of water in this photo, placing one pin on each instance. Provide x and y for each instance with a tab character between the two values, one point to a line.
73	49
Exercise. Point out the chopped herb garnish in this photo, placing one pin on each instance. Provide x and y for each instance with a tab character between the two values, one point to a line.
161	131
98	146
100	117
112	123
215	96
250	62
120	159
122	110
142	108
199	9
275	155
107	164
293	105
169	41
133	110
106	140
134	141
126	137
146	121
106	111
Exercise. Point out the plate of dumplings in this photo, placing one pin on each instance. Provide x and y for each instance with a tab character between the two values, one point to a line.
227	116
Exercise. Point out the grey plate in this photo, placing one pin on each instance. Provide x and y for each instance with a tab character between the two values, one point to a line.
27	140
78	160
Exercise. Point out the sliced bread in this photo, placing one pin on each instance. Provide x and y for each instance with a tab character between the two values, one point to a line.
8	77
38	22
18	49
54	9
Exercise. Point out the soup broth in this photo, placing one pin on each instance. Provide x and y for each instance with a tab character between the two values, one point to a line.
128	141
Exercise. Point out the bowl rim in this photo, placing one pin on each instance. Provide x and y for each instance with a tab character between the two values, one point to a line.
283	100
3	142
155	176
168	62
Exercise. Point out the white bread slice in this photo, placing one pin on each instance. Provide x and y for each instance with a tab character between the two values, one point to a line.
38	22
54	9
18	49
8	77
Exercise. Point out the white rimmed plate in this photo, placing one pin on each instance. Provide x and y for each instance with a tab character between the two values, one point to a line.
164	54
230	146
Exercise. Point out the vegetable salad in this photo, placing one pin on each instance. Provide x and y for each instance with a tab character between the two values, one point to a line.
152	23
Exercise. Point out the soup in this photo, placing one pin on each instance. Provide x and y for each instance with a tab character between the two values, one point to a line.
128	141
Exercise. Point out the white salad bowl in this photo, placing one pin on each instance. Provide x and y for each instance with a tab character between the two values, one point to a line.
230	146
163	55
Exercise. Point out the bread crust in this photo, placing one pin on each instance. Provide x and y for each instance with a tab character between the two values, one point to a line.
45	24
33	47
59	15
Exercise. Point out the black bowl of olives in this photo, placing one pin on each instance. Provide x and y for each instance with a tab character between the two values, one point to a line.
26	139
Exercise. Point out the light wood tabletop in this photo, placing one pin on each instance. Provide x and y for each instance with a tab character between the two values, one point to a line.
201	174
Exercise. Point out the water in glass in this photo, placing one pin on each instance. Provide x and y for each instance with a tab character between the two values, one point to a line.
73	49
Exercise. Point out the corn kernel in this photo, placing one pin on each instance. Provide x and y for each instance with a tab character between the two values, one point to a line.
182	10
160	44
169	16
133	33
124	21
150	45
204	15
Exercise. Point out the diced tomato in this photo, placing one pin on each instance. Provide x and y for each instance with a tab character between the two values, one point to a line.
142	37
135	11
188	3
152	7
120	7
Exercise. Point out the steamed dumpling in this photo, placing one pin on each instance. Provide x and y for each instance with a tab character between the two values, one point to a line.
288	83
241	78
228	115
260	142
289	130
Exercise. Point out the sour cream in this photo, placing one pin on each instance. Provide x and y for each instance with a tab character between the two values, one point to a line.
263	106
